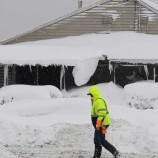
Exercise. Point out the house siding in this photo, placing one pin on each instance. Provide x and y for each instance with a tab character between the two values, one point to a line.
128	15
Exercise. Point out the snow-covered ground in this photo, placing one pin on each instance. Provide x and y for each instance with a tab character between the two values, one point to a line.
61	127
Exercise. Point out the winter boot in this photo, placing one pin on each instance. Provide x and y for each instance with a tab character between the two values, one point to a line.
116	154
97	152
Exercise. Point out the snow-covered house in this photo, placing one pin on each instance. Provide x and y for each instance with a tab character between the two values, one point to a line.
102	17
47	65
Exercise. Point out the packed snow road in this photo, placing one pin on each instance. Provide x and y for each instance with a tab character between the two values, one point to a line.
74	141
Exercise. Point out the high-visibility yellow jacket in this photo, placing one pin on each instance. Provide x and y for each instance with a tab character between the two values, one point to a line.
99	107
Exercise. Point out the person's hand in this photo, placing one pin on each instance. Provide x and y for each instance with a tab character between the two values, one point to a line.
98	124
104	131
97	128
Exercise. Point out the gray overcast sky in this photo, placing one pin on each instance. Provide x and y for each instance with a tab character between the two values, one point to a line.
19	16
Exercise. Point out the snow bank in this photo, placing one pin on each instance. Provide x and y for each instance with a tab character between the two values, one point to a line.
18	92
110	91
141	95
44	112
38	122
6	154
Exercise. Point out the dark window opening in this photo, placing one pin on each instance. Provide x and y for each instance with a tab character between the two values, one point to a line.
129	74
102	73
38	75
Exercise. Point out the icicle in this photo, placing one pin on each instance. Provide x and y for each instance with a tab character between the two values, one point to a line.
30	68
146	71
5	75
64	81
154	69
114	74
61	76
110	67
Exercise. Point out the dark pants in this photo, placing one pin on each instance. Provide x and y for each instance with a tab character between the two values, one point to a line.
99	141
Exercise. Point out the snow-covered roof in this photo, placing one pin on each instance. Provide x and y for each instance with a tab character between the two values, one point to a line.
125	46
29	54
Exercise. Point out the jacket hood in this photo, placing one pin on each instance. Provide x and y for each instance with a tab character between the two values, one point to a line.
94	90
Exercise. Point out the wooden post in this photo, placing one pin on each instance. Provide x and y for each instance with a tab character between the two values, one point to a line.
80	4
37	75
155	73
13	74
114	74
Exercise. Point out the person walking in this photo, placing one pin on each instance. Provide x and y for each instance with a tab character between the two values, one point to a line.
101	121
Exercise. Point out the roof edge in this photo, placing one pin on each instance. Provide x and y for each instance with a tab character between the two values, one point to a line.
148	6
55	21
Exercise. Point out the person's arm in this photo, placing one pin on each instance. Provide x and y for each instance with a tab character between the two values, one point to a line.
101	111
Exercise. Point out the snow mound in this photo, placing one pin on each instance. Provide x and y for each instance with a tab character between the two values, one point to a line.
18	92
110	91
44	112
6	154
141	95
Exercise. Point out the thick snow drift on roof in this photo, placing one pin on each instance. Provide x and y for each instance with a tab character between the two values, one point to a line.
74	50
85	59
46	55
116	45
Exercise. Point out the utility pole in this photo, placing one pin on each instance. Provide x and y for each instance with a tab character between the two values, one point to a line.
80	3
